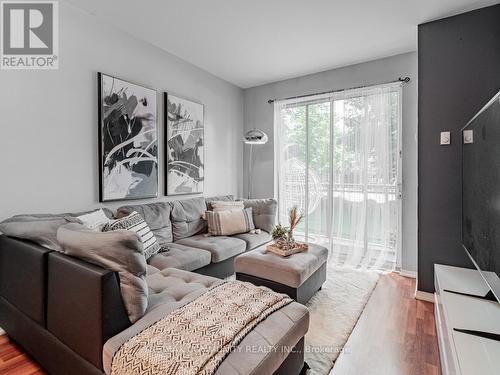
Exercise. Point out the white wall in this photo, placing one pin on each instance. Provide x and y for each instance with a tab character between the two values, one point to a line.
48	123
259	114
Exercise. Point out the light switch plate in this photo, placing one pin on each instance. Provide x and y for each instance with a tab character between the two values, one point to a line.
468	136
445	138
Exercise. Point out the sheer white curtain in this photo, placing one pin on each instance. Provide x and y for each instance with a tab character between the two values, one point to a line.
337	157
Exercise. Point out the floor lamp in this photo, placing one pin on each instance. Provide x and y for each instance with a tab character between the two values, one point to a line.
253	137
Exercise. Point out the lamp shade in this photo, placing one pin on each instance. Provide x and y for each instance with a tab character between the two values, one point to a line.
255	137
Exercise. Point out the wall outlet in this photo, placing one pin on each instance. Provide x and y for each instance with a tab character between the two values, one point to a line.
468	136
445	138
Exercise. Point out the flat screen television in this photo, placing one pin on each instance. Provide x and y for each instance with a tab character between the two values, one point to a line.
481	192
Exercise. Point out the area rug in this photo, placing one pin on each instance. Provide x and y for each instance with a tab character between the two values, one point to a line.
334	311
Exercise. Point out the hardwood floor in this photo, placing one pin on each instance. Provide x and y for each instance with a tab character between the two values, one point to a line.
394	335
14	361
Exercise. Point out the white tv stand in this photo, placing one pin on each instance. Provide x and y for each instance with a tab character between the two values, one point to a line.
461	353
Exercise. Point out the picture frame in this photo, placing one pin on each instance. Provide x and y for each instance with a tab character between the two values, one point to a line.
128	140
184	145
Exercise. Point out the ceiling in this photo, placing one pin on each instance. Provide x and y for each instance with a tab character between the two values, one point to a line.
252	42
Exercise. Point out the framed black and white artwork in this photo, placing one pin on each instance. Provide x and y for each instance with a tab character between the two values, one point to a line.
184	144
128	140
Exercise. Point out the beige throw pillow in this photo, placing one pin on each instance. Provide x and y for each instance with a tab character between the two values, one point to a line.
226	223
226	206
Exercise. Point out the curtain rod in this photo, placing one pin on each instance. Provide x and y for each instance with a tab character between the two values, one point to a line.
400	79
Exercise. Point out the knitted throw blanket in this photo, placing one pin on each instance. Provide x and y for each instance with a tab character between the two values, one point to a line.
196	338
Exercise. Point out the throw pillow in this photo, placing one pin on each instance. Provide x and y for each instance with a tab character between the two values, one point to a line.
226	206
120	251
136	223
41	229
94	220
226	223
157	215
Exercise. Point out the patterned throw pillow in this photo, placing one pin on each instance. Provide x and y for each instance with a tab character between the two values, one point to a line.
226	223
136	223
226	206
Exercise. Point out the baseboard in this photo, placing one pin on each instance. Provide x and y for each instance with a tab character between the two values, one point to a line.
406	273
424	296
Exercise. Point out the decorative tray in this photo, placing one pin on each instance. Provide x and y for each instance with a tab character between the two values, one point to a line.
299	247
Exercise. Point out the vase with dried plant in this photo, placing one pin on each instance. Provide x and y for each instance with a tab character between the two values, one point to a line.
294	217
284	241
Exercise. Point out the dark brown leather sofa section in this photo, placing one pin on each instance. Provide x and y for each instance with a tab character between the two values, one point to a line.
83	300
59	309
23	276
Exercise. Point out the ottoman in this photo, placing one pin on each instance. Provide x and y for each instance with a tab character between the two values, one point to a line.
298	275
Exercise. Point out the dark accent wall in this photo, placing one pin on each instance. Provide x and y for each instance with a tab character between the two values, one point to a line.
459	71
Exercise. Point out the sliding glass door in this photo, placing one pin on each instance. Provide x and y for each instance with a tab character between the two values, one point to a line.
338	160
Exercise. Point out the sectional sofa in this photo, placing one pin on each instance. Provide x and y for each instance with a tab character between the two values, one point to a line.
180	226
70	316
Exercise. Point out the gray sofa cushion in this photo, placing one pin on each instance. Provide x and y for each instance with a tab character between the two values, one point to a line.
41	228
254	240
175	286
264	212
151	270
42	231
221	247
157	215
120	251
278	333
187	217
181	257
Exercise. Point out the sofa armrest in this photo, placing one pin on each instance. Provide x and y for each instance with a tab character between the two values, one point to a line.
23	269
263	212
84	306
